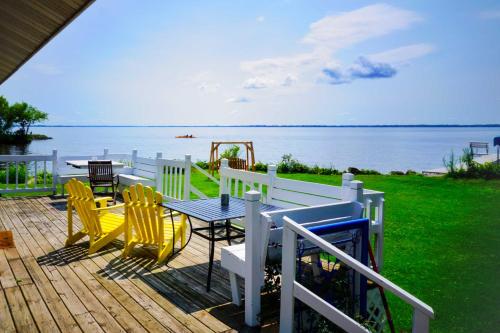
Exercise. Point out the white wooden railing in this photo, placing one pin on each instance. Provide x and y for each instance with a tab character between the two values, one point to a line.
291	289
37	169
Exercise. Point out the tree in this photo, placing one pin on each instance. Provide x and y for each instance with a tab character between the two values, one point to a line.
7	117
25	116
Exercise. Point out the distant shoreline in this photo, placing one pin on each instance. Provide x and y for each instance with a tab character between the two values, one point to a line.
295	126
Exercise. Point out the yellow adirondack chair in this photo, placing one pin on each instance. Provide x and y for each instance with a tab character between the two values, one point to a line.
100	224
145	222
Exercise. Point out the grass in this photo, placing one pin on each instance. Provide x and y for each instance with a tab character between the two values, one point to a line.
442	244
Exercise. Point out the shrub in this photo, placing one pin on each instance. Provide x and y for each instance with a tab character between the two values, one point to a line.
465	167
262	167
202	164
397	173
231	152
21	174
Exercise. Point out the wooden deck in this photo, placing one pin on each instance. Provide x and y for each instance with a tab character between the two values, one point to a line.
51	288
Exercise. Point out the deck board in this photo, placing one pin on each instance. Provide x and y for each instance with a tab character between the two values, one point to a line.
47	287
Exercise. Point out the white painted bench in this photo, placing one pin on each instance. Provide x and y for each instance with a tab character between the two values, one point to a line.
142	170
291	194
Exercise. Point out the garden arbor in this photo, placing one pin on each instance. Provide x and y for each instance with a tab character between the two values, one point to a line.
235	163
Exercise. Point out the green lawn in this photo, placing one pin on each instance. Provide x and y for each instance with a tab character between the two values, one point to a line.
442	243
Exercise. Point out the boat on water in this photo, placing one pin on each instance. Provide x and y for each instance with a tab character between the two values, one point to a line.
187	136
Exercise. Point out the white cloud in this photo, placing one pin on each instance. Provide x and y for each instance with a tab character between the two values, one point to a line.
289	80
402	54
490	14
329	35
260	18
258	83
339	31
238	100
209	87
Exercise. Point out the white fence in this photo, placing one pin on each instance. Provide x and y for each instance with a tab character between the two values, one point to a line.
291	289
35	169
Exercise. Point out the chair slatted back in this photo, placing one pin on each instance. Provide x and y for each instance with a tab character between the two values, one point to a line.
144	213
237	163
100	172
82	200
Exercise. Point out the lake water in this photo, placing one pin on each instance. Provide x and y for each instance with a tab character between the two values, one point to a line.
382	149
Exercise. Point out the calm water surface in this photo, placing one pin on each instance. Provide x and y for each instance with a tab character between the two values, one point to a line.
383	149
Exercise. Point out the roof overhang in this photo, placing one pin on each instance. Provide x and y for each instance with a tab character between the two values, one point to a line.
27	25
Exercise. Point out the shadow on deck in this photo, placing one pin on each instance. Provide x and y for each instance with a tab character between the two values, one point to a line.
48	287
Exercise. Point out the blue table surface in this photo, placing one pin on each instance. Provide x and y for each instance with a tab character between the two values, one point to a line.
211	210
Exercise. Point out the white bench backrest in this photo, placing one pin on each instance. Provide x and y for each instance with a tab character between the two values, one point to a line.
173	178
277	191
144	166
319	215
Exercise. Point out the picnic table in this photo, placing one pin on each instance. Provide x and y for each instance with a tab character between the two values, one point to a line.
216	216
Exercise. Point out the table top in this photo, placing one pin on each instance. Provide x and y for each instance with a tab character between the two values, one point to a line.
84	164
211	210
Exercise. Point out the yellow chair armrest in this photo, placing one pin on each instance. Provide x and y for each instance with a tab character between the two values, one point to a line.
108	207
103	202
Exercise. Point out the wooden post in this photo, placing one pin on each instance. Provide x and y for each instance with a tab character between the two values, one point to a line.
289	256
223	187
271	171
356	191
253	248
134	158
346	183
54	172
187	177
159	174
420	322
379	245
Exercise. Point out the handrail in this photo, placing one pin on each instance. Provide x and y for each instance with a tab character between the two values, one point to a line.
422	311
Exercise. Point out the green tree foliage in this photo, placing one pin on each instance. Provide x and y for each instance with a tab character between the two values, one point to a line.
6	116
231	152
25	116
16	120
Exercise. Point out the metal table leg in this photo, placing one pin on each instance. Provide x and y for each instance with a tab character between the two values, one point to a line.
211	252
228	231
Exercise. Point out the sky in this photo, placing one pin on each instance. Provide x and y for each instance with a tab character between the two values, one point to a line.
269	62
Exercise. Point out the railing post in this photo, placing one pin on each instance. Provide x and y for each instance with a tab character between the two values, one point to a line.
288	259
272	173
379	245
224	163
105	154
159	173
356	191
253	248
346	183
134	157
187	177
420	322
54	172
